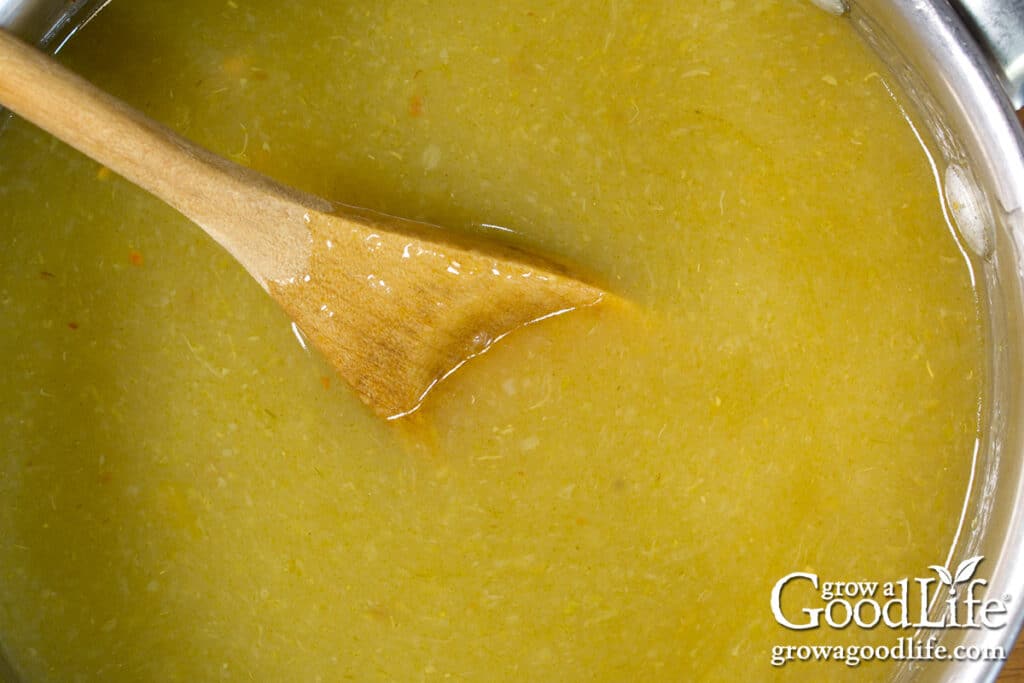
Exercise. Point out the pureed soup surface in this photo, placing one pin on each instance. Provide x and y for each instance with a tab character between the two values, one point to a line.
189	496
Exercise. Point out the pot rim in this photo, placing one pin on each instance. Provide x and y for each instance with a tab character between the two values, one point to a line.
965	106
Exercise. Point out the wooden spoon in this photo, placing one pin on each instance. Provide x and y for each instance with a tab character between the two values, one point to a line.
395	306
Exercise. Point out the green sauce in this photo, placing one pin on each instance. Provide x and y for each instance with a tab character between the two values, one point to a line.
188	496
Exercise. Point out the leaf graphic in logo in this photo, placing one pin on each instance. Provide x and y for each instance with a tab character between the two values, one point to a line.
944	577
965	571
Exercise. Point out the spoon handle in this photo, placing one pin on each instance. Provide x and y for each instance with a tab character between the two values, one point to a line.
260	222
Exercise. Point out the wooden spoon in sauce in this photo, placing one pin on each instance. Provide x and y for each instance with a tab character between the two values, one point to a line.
393	304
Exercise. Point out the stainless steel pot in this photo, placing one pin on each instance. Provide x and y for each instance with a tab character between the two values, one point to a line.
962	64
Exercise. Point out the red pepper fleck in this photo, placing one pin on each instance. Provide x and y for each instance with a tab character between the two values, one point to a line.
415	105
73	325
326	381
135	257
